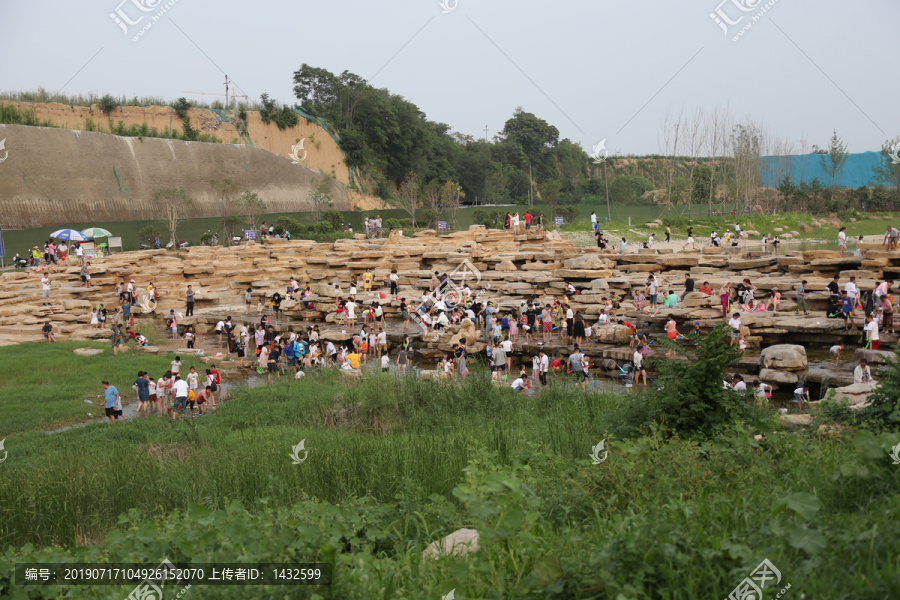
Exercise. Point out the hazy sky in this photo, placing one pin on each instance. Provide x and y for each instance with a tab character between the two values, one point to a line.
593	68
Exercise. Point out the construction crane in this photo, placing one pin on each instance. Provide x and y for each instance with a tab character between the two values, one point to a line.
233	94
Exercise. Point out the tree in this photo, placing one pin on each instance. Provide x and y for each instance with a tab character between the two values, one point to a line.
253	206
702	182
408	196
451	193
833	159
672	132
320	197
173	206
227	203
888	172
550	195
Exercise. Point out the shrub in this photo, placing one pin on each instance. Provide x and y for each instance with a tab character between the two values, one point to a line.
429	217
335	218
206	239
324	227
283	224
569	213
107	104
392	223
690	397
282	115
149	233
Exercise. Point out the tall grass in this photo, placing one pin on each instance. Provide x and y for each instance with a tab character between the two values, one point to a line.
395	463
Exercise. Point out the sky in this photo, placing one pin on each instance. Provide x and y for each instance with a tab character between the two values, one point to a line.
596	69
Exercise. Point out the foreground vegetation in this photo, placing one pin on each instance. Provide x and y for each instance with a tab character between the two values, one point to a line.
684	505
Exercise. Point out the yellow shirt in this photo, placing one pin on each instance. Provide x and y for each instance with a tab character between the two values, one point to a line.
353	359
367	278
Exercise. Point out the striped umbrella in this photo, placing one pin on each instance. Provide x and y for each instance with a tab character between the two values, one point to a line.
73	235
96	232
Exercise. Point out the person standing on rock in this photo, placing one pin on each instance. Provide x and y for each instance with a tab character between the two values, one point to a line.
801	298
735	324
668	233
842	240
725	296
672	334
189	311
578	328
890	238
45	289
394	282
651	291
872	340
688	283
85	274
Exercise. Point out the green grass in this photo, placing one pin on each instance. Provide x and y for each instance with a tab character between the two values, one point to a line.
45	385
395	464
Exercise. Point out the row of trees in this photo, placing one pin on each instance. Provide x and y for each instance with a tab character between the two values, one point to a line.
706	157
237	207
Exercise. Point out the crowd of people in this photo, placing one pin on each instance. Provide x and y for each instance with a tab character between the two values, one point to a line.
178	393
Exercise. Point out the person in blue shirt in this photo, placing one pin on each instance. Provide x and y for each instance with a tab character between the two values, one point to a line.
847	309
142	383
111	395
289	356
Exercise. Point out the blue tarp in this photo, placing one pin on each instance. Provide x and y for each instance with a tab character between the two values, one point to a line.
857	171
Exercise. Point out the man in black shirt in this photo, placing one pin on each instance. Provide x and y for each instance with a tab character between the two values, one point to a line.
834	287
688	283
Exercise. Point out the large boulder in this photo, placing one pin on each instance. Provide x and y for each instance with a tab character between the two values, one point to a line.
874	357
785	357
467	334
586	261
856	394
773	376
610	334
460	542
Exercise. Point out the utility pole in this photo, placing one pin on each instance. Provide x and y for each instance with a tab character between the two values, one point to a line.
530	187
485	133
606	182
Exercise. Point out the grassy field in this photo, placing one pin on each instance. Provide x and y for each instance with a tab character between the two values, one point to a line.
393	465
45	385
